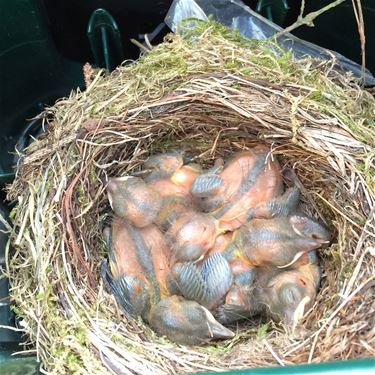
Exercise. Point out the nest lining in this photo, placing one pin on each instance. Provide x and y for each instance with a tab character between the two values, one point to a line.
211	92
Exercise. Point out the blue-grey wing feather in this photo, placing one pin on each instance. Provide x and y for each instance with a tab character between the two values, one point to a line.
206	184
132	295
190	282
218	277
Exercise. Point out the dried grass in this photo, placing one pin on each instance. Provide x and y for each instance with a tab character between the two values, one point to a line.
211	92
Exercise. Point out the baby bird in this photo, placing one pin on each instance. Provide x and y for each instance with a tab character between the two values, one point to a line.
221	243
164	165
221	282
217	280
308	258
205	283
172	207
159	252
137	275
289	294
243	272
125	275
169	176
208	188
206	280
239	302
279	241
249	179
131	199
177	185
191	235
186	322
282	205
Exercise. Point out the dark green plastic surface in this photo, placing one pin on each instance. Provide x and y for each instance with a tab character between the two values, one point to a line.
105	40
28	365
360	367
17	365
274	10
33	74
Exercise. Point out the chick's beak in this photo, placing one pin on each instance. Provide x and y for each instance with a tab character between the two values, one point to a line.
110	200
178	178
299	312
296	257
217	330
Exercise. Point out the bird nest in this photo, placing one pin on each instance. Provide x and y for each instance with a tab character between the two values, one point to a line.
212	93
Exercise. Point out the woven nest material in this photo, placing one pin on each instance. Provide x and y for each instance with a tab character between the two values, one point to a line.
212	93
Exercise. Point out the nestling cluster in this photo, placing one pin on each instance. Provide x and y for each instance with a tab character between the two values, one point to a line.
192	250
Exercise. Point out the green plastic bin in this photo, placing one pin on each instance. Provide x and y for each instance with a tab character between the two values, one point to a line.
33	74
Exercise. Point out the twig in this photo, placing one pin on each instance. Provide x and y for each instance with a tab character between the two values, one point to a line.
309	18
147	41
140	45
5	223
69	234
269	347
357	8
12	328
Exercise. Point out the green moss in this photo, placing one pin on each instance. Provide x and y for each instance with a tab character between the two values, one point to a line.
262	331
318	96
116	338
102	247
191	28
16	310
368	170
81	336
209	46
223	347
59	351
74	363
361	166
93	178
83	197
336	255
40	296
347	270
233	64
48	183
245	71
13	213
